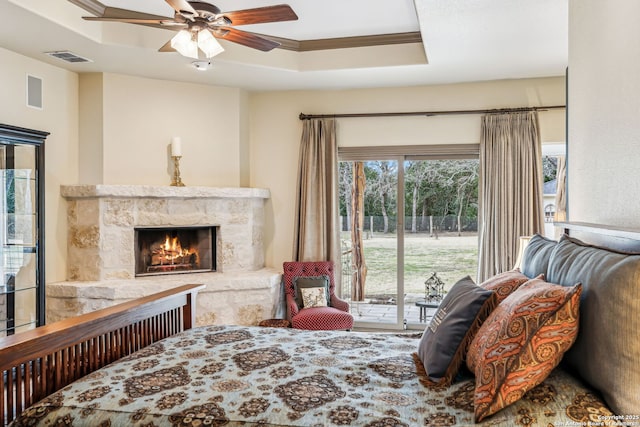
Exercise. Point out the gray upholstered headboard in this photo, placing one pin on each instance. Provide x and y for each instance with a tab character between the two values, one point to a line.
606	260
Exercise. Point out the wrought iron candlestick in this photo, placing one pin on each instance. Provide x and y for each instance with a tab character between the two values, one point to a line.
177	181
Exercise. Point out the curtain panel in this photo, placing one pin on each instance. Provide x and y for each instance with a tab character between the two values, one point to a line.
317	234
561	194
510	190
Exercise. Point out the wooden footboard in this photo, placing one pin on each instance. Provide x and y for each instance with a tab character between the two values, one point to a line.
41	361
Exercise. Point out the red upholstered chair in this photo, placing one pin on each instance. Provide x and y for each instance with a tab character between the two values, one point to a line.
335	316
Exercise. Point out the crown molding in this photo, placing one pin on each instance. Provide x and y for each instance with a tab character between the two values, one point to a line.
346	42
92	6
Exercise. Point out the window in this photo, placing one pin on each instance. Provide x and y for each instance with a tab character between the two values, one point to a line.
552	160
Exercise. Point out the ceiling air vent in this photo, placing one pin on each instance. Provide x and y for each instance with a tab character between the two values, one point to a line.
65	55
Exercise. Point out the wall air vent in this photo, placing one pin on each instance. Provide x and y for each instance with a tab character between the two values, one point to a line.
65	55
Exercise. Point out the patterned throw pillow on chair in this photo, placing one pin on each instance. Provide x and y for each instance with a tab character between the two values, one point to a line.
303	282
314	297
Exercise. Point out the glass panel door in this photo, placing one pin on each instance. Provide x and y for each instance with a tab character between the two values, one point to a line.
18	236
440	233
369	214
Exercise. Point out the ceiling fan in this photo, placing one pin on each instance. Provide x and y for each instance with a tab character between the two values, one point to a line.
199	24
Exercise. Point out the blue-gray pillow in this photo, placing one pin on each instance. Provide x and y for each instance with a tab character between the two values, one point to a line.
535	259
444	343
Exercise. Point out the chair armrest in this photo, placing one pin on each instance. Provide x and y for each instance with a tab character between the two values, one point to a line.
292	306
339	304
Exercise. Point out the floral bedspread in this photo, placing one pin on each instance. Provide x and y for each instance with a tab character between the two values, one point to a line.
232	375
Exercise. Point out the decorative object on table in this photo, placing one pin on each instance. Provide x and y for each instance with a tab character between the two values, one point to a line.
433	295
176	154
433	289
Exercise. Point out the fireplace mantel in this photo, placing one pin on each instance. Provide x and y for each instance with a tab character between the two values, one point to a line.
161	192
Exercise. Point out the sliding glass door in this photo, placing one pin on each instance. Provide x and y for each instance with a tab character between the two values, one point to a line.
440	232
368	205
398	250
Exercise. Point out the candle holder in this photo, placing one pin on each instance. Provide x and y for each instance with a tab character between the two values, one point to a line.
177	181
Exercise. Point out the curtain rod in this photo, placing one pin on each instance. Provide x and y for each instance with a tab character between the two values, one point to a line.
429	113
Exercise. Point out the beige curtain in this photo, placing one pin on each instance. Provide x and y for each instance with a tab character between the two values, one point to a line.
316	235
510	199
561	194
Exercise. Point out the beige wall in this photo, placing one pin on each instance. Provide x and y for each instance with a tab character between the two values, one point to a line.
59	116
604	109
138	118
91	130
276	130
244	143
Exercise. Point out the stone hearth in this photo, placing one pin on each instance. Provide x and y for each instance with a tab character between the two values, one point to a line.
101	260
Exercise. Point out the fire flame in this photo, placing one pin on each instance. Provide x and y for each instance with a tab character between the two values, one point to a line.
171	250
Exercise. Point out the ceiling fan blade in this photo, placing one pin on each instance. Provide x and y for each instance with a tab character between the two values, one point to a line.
261	15
164	22
115	12
248	39
183	8
167	47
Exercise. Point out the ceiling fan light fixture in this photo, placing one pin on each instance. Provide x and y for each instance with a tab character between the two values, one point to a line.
208	44
184	43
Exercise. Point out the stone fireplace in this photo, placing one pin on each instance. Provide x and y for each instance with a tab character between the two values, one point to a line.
123	243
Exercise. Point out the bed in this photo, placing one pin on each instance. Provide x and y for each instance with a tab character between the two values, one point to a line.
143	364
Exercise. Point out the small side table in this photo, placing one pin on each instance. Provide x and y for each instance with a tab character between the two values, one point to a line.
423	305
275	323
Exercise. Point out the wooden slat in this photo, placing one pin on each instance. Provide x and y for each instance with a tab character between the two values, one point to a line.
28	379
47	375
3	396
10	399
19	386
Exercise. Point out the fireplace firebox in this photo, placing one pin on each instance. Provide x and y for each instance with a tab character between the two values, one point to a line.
174	250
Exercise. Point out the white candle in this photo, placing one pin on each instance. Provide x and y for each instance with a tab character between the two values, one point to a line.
176	147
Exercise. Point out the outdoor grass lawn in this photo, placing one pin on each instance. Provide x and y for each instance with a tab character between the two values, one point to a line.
451	256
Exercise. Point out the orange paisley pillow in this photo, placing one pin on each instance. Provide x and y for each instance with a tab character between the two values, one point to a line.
521	342
505	283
